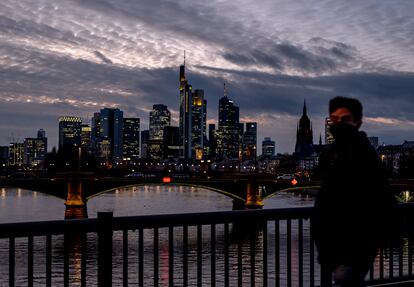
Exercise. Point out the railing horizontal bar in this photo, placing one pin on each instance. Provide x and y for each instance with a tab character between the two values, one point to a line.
149	221
395	280
41	228
206	218
166	220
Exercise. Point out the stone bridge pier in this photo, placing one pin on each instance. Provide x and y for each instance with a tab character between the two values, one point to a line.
253	194
75	200
75	194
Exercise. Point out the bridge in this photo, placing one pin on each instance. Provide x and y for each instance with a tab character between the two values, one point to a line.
246	191
77	188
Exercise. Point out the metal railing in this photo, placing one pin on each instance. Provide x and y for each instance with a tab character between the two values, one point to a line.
236	248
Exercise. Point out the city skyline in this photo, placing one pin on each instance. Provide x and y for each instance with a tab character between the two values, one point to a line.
75	58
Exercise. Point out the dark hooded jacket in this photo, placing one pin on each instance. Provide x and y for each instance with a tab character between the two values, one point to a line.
354	205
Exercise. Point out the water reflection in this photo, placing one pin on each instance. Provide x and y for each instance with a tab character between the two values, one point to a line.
76	212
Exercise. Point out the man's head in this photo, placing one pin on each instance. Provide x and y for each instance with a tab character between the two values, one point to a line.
345	110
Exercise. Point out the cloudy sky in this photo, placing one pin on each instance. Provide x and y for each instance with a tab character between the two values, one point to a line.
74	57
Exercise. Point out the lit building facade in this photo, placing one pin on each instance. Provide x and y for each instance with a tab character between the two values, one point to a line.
396	158
16	154
111	129
160	117
250	141
35	149
86	135
131	138
69	131
95	131
268	147
198	125
228	132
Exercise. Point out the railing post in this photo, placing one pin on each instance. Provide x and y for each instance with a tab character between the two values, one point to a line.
105	249
326	276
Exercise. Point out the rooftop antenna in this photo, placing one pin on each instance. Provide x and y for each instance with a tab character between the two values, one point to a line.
225	90
184	57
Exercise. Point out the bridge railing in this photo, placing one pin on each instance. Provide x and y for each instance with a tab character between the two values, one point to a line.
245	248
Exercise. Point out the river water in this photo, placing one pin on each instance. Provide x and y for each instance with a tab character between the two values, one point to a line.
18	205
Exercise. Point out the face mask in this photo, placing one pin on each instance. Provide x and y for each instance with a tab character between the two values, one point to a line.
342	130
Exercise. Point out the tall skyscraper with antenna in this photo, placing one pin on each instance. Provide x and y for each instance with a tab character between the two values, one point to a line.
192	121
185	114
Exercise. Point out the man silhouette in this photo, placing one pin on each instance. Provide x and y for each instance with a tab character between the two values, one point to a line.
354	202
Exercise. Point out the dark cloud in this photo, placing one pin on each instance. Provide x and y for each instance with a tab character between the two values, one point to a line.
286	56
75	57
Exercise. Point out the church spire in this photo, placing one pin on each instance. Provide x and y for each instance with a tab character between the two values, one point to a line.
304	108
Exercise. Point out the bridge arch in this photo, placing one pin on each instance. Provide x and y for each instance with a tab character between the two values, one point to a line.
223	192
306	189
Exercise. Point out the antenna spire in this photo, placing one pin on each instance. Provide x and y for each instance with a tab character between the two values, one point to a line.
225	90
184	57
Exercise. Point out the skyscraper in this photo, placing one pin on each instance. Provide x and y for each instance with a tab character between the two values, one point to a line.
160	117
86	134
212	142
69	131
185	114
35	149
111	128
268	147
4	156
228	133
131	138
250	141
41	133
95	130
16	154
144	143
171	142
304	134
198	124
